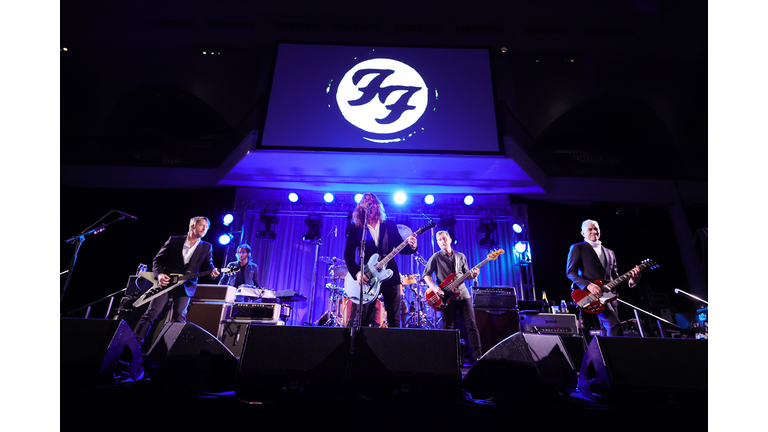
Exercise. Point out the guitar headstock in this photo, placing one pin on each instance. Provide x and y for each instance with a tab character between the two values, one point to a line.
232	268
495	254
650	263
430	225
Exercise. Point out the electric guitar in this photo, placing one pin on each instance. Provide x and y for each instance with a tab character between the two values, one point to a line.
452	287
176	280
594	304
376	272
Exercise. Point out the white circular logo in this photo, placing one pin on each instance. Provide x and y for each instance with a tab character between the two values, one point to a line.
382	96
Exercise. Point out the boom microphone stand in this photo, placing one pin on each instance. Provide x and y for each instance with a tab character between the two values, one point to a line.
640	323
80	238
359	312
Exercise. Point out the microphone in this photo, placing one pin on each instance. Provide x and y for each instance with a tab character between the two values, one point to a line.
127	215
335	230
369	208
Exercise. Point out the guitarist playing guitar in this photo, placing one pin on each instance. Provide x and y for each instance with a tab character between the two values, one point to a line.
185	254
445	263
381	237
590	261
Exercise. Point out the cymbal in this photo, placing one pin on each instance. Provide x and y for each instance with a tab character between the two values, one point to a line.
331	260
404	230
340	271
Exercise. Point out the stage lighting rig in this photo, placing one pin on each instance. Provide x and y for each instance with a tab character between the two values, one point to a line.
313	229
268	220
488	228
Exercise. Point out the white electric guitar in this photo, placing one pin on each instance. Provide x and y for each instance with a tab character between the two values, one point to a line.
176	280
377	272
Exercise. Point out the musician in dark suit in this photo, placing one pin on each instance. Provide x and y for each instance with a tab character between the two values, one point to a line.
589	261
444	263
381	236
184	254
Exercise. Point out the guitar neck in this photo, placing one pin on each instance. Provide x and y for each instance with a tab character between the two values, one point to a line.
466	275
610	285
192	276
380	265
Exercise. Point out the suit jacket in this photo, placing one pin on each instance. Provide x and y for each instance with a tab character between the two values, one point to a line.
250	274
170	260
584	266
389	238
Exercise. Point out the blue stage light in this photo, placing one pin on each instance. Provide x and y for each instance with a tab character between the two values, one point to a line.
228	218
517	228
328	197
224	239
400	197
469	199
293	197
429	199
521	247
358	197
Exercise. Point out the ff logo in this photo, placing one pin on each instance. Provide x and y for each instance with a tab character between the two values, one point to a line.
382	96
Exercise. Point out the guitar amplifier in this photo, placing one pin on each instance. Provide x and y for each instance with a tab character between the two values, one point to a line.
545	323
216	293
499	298
261	313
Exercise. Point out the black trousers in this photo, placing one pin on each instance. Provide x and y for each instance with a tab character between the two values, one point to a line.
464	307
180	305
392	300
610	324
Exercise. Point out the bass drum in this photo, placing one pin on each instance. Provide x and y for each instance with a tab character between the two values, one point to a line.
379	315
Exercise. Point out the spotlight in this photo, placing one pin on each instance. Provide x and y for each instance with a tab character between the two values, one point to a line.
400	197
429	199
328	197
469	199
448	224
313	229
358	197
488	228
267	234
516	227
293	197
227	219
521	247
224	239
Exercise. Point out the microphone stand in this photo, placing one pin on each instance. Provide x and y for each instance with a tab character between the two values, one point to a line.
678	291
317	242
78	241
640	323
359	312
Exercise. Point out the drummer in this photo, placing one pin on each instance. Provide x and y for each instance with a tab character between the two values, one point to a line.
248	270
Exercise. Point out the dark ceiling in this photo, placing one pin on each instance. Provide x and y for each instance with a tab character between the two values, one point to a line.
608	88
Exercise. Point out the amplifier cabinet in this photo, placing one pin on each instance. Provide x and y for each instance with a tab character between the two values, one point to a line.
495	298
545	323
217	293
261	313
495	326
209	316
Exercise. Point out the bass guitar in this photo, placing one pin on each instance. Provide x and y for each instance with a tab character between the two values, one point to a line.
451	286
593	304
176	280
376	272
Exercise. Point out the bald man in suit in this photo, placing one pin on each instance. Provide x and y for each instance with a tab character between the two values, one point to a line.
589	261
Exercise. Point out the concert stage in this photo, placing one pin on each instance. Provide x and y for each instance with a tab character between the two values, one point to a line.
309	377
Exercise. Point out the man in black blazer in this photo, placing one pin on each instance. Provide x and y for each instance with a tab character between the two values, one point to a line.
381	236
589	261
185	254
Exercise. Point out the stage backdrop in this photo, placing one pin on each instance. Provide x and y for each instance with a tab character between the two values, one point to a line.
289	263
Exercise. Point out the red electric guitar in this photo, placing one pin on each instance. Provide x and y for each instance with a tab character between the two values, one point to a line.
593	304
452	287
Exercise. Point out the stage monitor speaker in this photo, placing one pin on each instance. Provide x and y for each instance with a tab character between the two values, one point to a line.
645	371
209	316
187	357
523	367
316	361
98	352
496	325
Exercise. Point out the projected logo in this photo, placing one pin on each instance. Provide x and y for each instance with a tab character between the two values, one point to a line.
382	97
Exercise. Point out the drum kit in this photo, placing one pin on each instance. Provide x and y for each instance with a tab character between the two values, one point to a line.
413	315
